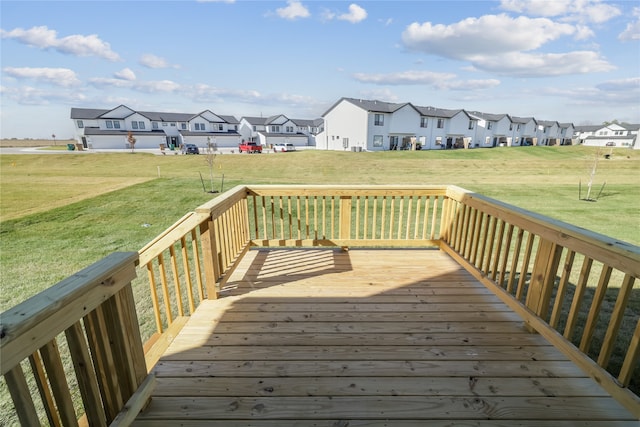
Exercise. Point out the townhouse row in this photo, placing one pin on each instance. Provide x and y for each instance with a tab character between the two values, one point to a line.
348	125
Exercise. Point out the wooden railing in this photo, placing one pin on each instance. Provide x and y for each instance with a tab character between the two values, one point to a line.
540	267
570	285
88	321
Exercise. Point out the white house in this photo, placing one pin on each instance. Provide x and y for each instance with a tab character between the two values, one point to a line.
524	131
111	129
548	132
612	135
492	130
280	129
370	125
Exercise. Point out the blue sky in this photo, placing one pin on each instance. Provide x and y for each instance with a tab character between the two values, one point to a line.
573	61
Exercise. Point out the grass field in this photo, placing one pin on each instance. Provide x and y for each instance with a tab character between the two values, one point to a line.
67	211
62	212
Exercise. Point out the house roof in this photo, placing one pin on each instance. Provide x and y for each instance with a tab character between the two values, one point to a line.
258	121
438	112
93	114
371	105
488	116
588	128
522	120
87	113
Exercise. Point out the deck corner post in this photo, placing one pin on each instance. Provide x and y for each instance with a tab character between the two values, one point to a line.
543	277
210	258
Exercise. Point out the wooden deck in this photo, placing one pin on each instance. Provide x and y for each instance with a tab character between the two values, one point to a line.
366	338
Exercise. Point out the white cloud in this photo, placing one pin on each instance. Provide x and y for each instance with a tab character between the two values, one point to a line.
632	32
445	81
125	74
543	64
79	45
101	82
622	85
162	86
356	14
293	11
28	95
152	61
404	78
489	34
593	11
503	44
56	76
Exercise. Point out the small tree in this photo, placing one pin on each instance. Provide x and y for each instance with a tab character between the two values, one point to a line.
210	159
132	140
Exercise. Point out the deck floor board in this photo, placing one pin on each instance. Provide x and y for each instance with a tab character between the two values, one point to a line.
366	338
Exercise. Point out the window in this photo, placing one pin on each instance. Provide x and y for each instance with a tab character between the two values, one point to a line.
275	128
154	125
345	142
489	125
379	120
510	126
518	128
438	140
423	122
183	126
80	124
289	129
134	125
199	126
440	123
109	124
173	124
141	125
254	128
164	124
116	124
470	124
377	140
220	127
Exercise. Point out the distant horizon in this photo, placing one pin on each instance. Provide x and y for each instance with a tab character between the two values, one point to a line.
573	61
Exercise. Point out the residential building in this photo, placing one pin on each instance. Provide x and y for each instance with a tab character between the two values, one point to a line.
279	129
612	135
111	129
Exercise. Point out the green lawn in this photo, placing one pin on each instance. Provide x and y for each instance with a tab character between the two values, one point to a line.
62	212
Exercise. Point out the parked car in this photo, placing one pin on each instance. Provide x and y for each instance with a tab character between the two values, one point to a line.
190	149
611	144
283	147
249	147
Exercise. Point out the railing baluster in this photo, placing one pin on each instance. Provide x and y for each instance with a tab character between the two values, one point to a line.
594	311
497	252
524	270
632	357
505	255
58	382
187	273
365	233
357	201
514	261
87	379
176	280
40	376
23	403
489	243
617	314
425	218
572	318
197	263
165	289
434	220
562	289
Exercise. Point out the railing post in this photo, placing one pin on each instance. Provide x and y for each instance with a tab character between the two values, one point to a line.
345	217
543	277
210	258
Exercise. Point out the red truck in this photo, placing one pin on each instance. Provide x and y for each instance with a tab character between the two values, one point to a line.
249	147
